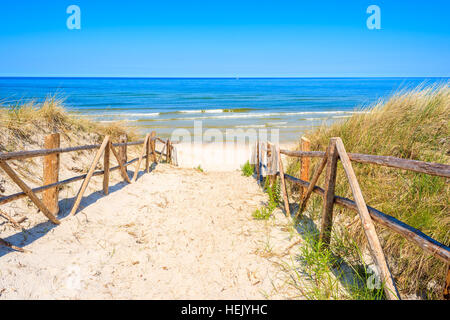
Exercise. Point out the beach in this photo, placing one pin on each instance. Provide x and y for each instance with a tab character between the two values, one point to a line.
174	234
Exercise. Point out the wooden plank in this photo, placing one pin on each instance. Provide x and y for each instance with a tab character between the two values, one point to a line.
428	244
22	185
123	149
432	168
447	284
10	219
51	173
153	146
123	170
310	189
328	198
20	195
270	177
106	169
299	154
138	165
258	168
168	151
89	176
367	224
44	152
148	152
305	145
163	152
283	185
9	245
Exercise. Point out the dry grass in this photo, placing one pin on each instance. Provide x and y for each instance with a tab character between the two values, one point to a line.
411	125
23	118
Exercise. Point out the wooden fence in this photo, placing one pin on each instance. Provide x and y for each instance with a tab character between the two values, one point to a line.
49	203
329	158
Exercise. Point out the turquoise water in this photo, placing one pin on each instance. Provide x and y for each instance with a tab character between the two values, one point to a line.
290	105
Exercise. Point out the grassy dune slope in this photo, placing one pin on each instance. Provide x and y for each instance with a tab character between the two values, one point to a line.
22	121
411	125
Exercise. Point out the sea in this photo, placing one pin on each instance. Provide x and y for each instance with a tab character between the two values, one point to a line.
289	105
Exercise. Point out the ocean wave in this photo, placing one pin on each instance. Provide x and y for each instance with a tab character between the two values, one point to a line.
268	114
201	111
151	115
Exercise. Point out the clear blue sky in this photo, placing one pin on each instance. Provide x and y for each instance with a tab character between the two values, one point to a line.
224	38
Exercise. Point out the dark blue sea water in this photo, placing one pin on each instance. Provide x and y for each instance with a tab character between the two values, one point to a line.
291	105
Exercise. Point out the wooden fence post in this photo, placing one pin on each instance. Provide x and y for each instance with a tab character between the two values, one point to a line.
153	146
305	162
283	184
312	184
106	156
147	152
25	188
89	176
367	224
447	284
138	164
258	168
51	173
169	151
328	198
123	149
270	177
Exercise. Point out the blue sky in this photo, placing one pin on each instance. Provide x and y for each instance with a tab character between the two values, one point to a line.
225	38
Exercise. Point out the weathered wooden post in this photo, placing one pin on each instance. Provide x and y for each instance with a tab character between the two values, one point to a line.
147	152
168	151
89	176
123	149
366	221
328	198
51	173
106	156
447	284
283	184
258	168
153	146
305	162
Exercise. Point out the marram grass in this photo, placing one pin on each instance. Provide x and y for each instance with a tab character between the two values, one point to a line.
412	125
21	119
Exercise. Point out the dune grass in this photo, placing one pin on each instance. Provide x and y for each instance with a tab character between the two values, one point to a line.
21	119
411	125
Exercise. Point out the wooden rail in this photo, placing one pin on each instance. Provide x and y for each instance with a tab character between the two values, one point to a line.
49	205
336	151
435	169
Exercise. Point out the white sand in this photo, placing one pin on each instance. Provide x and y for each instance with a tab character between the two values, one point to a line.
216	156
174	234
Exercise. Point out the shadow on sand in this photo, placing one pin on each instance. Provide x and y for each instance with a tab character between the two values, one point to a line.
26	237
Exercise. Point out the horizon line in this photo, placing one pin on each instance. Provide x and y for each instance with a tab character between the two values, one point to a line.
229	77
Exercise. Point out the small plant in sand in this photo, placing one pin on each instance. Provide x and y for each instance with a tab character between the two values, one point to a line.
199	168
247	169
273	190
262	213
322	272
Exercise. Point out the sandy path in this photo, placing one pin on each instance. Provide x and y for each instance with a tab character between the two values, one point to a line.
174	234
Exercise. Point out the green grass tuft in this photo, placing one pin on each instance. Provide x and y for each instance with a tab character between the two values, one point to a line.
247	169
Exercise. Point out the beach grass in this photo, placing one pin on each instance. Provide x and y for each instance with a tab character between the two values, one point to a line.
412	125
21	119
